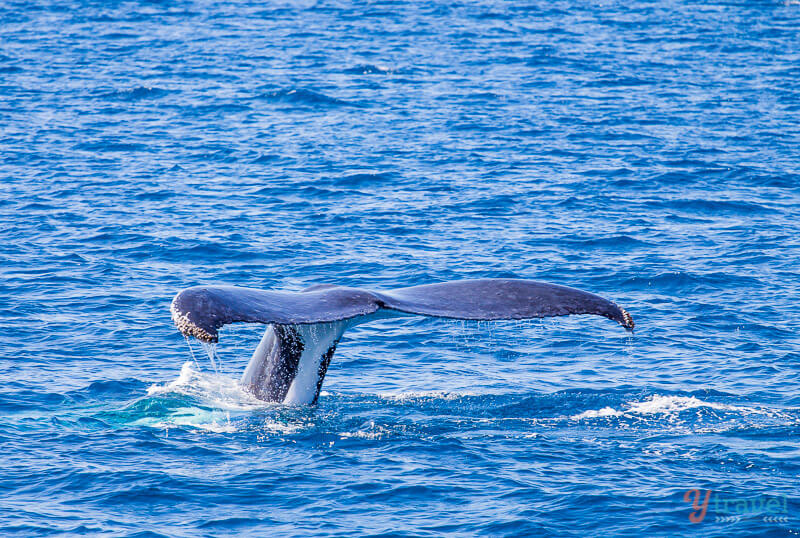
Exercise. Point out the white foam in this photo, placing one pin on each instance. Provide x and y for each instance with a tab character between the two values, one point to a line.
595	413
215	390
369	436
371	432
215	398
415	395
676	404
221	394
661	405
284	428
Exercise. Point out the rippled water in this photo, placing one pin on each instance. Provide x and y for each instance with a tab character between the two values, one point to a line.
646	152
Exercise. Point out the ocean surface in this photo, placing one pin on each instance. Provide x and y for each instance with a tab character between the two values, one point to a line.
648	152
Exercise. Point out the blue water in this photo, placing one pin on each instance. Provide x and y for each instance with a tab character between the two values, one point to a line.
647	152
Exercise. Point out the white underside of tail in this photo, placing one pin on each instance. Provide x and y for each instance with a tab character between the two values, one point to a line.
317	339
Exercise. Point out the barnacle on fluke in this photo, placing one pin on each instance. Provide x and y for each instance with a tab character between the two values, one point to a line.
187	328
627	319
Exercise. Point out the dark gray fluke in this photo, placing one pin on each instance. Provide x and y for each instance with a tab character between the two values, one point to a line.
202	310
292	372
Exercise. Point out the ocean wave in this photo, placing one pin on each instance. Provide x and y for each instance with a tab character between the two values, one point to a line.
304	97
111	146
415	396
617	242
684	280
363	179
221	108
369	69
134	94
714	207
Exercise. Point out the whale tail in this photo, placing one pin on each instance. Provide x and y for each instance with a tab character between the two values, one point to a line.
291	360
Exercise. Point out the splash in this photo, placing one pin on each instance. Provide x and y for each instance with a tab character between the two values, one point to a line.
209	390
206	401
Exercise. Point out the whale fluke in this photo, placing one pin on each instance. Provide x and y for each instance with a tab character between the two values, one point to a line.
202	310
304	327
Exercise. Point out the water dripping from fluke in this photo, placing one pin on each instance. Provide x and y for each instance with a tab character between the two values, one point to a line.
191	350
211	351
